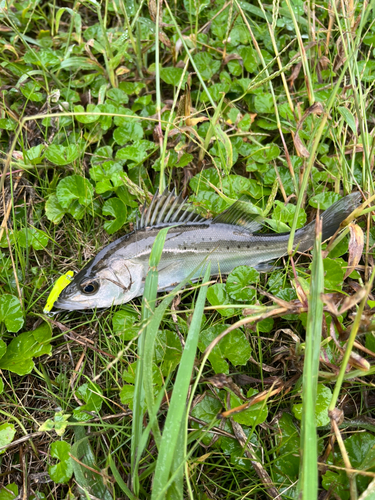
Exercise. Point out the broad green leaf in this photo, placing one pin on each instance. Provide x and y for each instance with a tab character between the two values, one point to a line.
133	153
87	118
105	170
334	272
128	132
348	117
26	346
74	187
206	410
7	433
206	65
239	282
101	155
124	324
62	155
118	96
92	396
172	75
361	452
287	454
30	91
167	350
63	470
7	124
218	296
85	466
324	396
58	424
127	395
10	492
324	200
254	415
234	347
266	153
35	154
10	313
263	103
285	213
31	237
249	58
234	185
115	208
54	211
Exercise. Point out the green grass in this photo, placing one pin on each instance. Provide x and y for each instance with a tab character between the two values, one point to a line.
269	102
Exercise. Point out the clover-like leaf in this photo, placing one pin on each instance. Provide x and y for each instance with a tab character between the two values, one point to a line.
26	346
116	208
234	347
9	492
128	132
10	313
63	470
91	395
54	211
7	433
32	237
62	155
252	416
172	75
323	400
74	187
124	324
240	281
217	296
324	200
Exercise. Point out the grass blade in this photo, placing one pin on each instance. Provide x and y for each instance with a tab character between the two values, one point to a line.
308	481
178	401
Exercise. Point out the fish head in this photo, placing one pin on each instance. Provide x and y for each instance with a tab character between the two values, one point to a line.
116	282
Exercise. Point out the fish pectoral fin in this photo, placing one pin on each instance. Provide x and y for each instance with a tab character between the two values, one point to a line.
241	214
268	265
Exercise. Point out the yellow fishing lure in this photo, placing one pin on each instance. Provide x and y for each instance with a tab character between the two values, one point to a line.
58	287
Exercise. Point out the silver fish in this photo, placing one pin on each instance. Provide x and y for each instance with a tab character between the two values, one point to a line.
117	274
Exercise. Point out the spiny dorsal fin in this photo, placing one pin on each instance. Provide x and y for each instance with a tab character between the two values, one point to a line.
167	208
239	214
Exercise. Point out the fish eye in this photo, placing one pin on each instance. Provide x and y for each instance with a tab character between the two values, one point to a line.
89	287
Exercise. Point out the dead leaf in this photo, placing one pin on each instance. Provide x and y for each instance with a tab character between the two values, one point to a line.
356	244
231	57
294	75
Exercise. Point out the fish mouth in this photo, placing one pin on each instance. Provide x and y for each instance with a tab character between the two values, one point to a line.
67	305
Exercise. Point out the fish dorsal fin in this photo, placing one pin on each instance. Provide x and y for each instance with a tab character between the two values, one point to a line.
240	214
167	208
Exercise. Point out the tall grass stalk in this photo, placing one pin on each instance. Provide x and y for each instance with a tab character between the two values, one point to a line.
174	424
308	479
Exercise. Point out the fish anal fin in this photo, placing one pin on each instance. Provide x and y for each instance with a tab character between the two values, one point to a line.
241	214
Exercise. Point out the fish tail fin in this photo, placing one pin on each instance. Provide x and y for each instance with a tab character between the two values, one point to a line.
331	220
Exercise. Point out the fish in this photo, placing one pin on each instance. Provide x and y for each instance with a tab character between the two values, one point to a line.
118	272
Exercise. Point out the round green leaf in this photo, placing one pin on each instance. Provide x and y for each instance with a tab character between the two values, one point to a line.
11	313
172	75
334	271
218	296
323	400
324	200
254	415
234	347
263	103
63	470
239	282
62	155
128	132
54	210
123	323
74	187
26	346
7	433
116	208
31	237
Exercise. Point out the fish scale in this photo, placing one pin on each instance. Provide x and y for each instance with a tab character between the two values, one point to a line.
117	274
